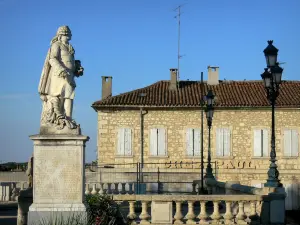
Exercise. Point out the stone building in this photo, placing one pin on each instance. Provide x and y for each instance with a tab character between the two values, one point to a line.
161	123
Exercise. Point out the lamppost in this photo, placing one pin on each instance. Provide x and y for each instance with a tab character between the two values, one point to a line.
209	115
272	80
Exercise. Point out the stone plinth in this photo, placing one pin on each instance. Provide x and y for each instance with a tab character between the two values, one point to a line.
58	177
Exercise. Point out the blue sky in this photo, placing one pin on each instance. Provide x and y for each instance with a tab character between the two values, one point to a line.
135	41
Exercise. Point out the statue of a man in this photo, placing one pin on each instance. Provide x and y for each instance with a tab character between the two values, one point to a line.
57	84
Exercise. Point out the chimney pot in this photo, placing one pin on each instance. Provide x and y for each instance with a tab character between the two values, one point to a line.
106	87
173	80
213	75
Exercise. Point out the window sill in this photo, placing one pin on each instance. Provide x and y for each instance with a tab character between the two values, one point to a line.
124	156
288	157
222	157
260	157
192	157
158	156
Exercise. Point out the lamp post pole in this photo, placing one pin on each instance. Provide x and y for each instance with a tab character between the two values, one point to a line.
202	161
209	115
272	80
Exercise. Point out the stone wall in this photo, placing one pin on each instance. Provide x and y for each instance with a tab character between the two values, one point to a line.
241	165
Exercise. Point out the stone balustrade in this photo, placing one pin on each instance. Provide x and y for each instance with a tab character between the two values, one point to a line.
9	191
192	209
109	188
272	206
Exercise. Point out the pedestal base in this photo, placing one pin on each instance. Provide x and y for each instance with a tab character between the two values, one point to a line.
58	179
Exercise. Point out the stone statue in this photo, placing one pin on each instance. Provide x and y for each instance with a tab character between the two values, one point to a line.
57	83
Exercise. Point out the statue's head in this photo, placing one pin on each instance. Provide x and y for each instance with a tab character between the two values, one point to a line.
64	31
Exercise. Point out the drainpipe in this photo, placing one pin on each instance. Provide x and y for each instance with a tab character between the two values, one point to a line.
142	114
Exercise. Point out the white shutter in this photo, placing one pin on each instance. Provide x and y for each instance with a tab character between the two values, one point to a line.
226	136
257	142
189	142
219	142
197	142
287	143
161	141
153	141
265	143
121	136
294	143
127	140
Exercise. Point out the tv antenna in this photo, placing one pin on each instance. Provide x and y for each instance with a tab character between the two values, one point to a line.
178	10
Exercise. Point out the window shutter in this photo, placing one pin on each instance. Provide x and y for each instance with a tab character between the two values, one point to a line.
189	142
121	135
153	141
294	144
127	143
265	143
197	142
161	141
226	136
219	142
257	142
287	142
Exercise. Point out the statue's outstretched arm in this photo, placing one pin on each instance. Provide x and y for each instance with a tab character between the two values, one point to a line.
54	62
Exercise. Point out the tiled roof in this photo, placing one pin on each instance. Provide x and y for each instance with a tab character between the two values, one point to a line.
229	94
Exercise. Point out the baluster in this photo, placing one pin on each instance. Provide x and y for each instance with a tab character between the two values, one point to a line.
123	191
116	191
203	216
131	215
194	188
87	189
144	214
190	216
14	194
253	214
228	215
109	191
178	215
130	189
101	192
241	215
94	191
216	216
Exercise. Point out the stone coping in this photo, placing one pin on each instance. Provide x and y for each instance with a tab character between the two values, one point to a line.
168	198
59	137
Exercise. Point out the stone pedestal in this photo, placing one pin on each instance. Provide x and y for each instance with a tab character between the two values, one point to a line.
58	177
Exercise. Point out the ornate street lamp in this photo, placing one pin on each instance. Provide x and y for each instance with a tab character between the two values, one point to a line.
272	79
209	115
271	54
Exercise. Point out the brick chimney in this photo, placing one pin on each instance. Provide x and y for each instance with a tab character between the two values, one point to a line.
106	87
213	75
173	80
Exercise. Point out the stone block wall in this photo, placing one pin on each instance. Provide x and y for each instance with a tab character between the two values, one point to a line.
240	165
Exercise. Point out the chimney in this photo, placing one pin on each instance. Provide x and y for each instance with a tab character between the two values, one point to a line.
106	87
213	75
173	81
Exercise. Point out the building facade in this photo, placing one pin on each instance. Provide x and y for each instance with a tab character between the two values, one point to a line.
161	123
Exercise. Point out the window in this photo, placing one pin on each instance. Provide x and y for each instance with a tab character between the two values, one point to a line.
290	142
124	142
193	140
261	143
223	142
157	142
